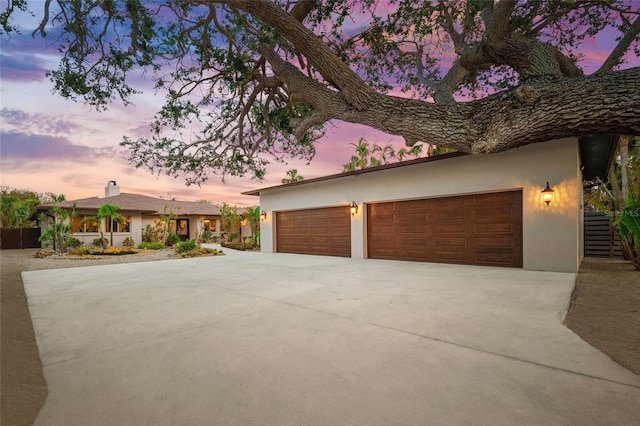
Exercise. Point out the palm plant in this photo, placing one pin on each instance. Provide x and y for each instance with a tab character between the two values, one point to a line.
107	213
58	232
292	176
111	216
252	215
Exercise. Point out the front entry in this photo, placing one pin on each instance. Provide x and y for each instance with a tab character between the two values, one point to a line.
182	229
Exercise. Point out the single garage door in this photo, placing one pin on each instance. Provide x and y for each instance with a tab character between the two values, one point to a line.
480	229
325	231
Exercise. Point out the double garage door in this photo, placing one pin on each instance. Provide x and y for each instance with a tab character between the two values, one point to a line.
480	229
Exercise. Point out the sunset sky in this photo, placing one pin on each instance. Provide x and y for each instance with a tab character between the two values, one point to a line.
49	144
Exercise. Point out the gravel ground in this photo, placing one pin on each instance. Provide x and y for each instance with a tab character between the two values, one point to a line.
604	311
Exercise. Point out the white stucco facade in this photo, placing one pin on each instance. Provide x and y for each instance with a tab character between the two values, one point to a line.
552	235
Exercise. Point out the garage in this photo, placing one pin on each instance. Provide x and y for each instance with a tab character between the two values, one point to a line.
321	231
479	229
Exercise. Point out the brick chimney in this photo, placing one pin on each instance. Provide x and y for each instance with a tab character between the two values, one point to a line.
111	189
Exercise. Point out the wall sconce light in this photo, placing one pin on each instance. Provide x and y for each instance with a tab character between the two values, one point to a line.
547	194
263	215
354	208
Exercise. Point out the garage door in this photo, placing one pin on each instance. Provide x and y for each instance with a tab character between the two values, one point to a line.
481	229
325	231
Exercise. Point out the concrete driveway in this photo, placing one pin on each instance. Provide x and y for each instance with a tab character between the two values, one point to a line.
276	339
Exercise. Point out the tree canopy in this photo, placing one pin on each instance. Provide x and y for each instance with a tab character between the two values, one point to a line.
261	79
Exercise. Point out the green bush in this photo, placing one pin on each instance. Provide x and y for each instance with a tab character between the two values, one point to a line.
100	242
208	237
172	239
186	246
128	243
151	246
74	243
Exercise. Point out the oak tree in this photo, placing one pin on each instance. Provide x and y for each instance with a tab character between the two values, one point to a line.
261	79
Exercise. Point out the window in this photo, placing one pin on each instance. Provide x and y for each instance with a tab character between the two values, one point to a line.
210	225
123	226
83	223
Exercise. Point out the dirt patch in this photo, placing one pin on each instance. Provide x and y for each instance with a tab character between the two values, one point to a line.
605	309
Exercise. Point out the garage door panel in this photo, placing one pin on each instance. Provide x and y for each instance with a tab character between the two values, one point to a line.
450	228
493	242
493	197
414	229
412	217
449	256
472	229
324	231
444	241
493	228
449	215
414	241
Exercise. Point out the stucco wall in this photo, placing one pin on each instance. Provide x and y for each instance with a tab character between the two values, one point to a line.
551	235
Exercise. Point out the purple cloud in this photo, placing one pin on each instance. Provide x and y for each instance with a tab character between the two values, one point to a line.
25	146
21	68
37	123
48	152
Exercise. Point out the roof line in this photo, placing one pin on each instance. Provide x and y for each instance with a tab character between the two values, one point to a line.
361	171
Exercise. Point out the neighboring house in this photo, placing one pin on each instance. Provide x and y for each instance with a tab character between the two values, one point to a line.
191	218
452	208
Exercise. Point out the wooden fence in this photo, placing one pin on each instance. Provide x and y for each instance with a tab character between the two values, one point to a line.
600	240
19	238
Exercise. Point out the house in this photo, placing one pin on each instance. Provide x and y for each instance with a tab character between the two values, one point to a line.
453	208
190	218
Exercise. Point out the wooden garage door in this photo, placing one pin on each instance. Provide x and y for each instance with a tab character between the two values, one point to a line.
325	231
481	229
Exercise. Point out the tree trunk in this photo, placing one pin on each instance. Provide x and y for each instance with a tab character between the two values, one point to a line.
624	165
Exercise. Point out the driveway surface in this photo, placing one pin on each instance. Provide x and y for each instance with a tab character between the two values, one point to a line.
278	339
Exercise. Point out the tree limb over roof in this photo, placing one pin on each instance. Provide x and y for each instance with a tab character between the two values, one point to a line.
262	78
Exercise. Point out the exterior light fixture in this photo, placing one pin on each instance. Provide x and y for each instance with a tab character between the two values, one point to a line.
547	194
354	208
263	215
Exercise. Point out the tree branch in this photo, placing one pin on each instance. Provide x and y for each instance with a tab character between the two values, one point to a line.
621	48
355	90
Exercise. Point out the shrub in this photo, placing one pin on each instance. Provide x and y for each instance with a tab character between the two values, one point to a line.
100	242
186	246
74	243
113	251
151	246
235	246
82	250
153	234
197	252
208	237
128	243
172	239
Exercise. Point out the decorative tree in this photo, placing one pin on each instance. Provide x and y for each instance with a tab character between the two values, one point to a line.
58	230
229	221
